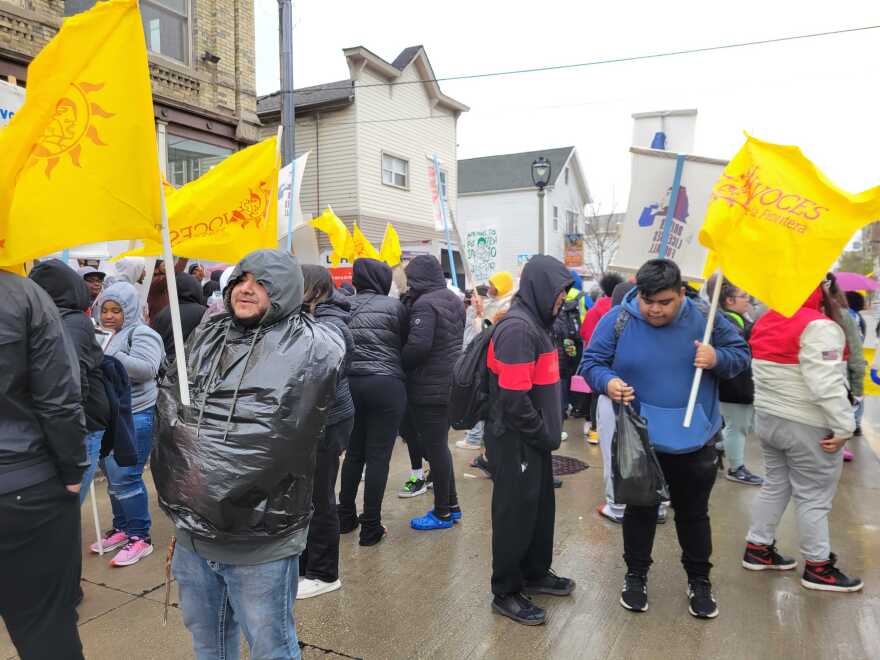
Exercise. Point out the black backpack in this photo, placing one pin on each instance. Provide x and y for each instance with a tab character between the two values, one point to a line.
469	386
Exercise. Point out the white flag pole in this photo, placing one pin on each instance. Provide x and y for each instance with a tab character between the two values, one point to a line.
174	303
95	516
707	336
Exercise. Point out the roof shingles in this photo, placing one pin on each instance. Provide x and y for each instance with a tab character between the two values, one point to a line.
507	171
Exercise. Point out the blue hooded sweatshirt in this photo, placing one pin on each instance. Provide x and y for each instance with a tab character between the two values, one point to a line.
658	363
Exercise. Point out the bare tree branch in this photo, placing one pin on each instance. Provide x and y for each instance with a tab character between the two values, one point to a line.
601	236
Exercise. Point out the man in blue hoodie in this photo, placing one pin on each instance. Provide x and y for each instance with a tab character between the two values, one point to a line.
648	359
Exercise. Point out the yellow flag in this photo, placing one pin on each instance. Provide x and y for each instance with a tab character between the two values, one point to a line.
228	212
361	247
390	251
79	160
872	379
337	234
775	224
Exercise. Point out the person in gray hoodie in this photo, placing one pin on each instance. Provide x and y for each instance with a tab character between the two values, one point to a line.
140	350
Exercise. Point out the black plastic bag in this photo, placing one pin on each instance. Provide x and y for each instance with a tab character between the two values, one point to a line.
638	478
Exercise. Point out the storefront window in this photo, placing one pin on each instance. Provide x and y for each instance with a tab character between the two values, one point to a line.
189	159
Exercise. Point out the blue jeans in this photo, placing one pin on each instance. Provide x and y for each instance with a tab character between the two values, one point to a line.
218	600
93	449
125	485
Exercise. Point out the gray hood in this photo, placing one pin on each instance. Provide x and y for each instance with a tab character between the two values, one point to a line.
281	276
126	296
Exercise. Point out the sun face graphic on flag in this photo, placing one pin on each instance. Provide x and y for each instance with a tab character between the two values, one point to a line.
253	209
72	123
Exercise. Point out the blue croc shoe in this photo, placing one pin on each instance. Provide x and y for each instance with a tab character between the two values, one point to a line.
429	521
456	517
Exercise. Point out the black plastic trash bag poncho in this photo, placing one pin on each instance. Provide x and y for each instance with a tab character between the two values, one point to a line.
637	477
238	464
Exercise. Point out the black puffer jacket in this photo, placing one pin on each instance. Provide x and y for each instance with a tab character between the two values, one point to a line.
378	323
337	312
739	389
436	328
237	466
41	418
70	295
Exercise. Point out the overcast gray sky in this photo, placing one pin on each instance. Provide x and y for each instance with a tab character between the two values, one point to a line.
821	94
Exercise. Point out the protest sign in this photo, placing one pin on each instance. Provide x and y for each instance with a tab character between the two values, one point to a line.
11	99
481	247
653	172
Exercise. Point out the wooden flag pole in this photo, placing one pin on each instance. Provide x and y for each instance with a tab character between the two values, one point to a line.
174	303
707	336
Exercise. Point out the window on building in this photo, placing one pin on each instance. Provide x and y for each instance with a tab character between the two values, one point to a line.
566	176
189	159
572	223
556	219
395	171
166	25
443	185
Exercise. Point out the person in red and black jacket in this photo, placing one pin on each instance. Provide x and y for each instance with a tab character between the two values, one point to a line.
524	425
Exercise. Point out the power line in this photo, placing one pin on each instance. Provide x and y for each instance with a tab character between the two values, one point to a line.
615	60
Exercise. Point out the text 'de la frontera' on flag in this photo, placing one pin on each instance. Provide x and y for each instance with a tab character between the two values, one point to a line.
228	212
776	224
79	160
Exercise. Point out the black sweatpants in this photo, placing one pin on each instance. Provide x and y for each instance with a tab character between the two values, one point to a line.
411	438
690	478
523	512
320	559
430	427
379	402
39	562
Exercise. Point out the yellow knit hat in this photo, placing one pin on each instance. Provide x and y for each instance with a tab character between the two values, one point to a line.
503	282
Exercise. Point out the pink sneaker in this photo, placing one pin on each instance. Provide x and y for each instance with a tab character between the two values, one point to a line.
112	540
848	455
135	550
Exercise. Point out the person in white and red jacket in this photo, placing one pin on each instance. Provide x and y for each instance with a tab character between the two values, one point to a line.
803	419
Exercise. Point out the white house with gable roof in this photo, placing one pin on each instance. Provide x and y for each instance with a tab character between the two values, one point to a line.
496	194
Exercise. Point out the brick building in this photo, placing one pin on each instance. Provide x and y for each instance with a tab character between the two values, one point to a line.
201	65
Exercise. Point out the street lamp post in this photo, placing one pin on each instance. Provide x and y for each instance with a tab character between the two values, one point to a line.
541	177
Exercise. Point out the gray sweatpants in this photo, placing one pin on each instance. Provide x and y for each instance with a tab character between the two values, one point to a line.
796	468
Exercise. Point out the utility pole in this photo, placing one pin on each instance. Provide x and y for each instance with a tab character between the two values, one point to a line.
285	32
288	142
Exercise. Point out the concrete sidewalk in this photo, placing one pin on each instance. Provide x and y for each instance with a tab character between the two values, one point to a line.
426	595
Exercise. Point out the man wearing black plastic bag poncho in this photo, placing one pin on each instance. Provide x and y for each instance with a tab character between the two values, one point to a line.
234	471
524	426
649	358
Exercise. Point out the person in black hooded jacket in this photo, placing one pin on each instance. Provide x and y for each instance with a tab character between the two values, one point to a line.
379	327
192	309
319	563
436	329
524	425
71	296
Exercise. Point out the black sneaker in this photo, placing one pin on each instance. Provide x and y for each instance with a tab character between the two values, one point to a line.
858	430
758	557
348	523
701	603
551	584
634	596
520	609
481	464
557	482
413	487
825	576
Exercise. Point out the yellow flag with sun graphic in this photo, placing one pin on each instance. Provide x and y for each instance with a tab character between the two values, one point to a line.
79	160
228	212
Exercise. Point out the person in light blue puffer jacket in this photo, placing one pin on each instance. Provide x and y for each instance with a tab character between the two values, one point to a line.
140	350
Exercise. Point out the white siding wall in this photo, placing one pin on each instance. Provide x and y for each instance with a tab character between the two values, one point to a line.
333	164
414	140
514	215
566	197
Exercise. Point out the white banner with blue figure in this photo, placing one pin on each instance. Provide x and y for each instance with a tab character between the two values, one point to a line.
11	99
653	176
